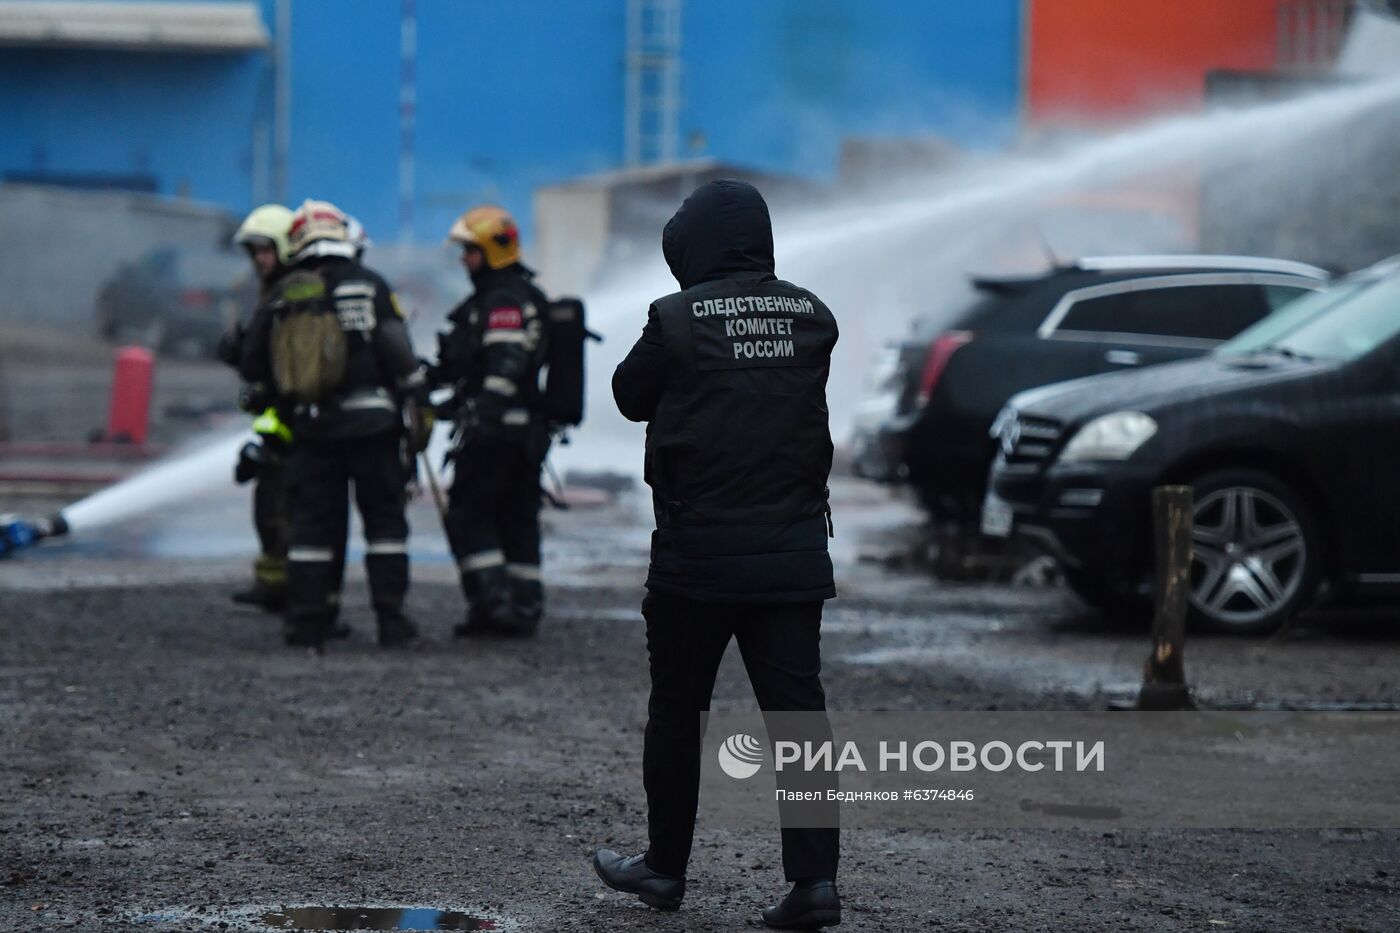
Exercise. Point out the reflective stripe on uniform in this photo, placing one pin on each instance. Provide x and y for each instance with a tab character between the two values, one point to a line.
515	416
361	401
524	571
311	555
482	560
503	336
498	384
386	547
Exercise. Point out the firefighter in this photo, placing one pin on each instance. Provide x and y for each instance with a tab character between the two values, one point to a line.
730	374
263	234
337	349
492	357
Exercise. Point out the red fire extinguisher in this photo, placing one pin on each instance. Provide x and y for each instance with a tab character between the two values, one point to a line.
129	418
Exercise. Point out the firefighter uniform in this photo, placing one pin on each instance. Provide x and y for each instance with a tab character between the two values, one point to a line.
355	437
730	373
270	508
264	229
492	356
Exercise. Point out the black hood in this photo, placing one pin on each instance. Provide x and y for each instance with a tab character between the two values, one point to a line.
721	231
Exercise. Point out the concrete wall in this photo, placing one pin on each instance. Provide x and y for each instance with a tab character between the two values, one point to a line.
57	247
574	224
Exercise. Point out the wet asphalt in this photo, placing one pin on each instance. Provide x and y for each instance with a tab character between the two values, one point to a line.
168	765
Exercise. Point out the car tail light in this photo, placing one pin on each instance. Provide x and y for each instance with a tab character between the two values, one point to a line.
939	353
196	298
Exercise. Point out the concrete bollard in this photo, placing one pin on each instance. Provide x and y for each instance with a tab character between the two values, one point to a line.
129	417
1164	678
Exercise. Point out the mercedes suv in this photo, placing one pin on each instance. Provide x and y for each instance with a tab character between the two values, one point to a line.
1289	436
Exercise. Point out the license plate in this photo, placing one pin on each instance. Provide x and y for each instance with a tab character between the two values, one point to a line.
997	517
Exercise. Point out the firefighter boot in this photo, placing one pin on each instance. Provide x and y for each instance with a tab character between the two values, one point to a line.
307	631
269	589
489	596
527	606
395	630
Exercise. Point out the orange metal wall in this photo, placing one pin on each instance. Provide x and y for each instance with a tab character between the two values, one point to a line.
1104	61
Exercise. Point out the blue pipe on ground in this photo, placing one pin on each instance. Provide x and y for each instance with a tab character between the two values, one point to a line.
17	533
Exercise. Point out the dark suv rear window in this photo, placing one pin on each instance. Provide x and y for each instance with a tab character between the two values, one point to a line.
1196	312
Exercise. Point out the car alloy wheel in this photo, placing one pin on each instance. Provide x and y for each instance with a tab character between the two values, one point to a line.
1249	557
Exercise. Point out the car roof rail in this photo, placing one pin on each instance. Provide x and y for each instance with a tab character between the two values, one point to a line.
1378	270
1200	261
1006	284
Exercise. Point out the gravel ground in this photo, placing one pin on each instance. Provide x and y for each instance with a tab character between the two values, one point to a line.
164	753
165	757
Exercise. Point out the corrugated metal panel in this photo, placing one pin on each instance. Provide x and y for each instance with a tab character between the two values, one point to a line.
152	27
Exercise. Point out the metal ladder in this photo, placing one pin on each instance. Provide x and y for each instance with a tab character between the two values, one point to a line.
653	93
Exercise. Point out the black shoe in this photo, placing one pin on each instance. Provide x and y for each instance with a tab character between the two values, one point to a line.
477	624
267	598
632	876
304	635
810	905
395	631
527	606
339	631
520	626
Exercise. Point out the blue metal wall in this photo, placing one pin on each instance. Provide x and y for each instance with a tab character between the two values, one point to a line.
511	96
345	107
775	85
187	121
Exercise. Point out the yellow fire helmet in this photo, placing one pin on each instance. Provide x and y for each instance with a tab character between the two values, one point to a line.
269	222
319	228
493	230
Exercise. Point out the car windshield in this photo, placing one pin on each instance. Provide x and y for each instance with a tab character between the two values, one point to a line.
1286	319
1349	329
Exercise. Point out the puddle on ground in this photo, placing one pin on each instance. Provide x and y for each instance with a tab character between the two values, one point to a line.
372	918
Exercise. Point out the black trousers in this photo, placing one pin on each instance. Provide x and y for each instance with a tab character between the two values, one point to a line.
271	519
686	639
493	517
321	473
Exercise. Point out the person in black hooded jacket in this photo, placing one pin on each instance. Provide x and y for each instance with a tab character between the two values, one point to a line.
730	375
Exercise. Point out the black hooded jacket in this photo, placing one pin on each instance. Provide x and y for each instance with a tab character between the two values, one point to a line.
730	374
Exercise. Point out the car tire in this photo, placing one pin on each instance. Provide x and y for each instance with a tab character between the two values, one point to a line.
1256	553
1114	597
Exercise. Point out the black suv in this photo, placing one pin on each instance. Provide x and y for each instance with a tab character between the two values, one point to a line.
176	300
1289	435
1094	316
